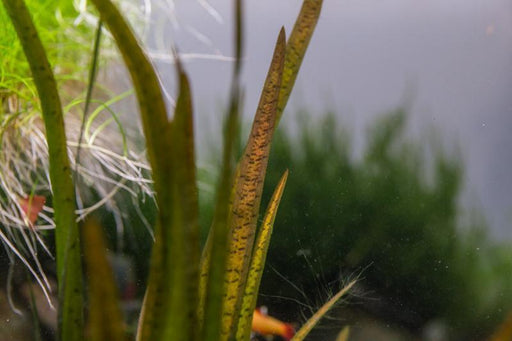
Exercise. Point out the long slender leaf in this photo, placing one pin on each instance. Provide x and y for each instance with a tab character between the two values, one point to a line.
296	49
258	262
157	130
155	304
213	260
312	322
69	266
247	197
88	97
105	321
181	323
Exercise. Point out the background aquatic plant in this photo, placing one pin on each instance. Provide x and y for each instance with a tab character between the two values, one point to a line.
389	209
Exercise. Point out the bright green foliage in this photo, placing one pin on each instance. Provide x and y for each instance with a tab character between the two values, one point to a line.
54	22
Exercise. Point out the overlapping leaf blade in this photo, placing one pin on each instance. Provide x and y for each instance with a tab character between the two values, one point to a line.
172	294
170	151
258	262
213	260
247	192
184	233
296	47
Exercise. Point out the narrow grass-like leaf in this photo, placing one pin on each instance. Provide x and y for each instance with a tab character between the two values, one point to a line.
90	87
105	320
344	334
296	49
181	323
157	131
155	304
247	192
213	260
311	323
69	266
258	262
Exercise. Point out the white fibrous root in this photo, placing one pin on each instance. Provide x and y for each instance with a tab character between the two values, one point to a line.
109	171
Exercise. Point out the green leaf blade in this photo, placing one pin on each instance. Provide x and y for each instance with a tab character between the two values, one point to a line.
158	133
258	262
296	48
214	255
247	193
184	234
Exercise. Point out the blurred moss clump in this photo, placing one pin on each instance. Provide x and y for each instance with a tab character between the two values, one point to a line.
392	212
65	35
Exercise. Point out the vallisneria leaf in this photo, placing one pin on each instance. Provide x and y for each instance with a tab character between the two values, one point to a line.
69	266
213	260
247	192
296	49
105	320
312	322
181	323
157	131
258	262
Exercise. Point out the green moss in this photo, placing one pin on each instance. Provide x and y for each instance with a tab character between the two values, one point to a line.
67	46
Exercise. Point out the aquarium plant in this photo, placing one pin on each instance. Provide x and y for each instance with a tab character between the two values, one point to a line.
191	294
388	210
105	168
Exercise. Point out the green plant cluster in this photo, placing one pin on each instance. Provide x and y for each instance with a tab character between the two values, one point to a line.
191	294
67	45
392	215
